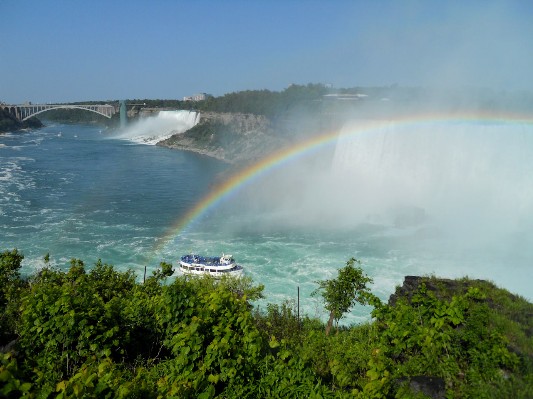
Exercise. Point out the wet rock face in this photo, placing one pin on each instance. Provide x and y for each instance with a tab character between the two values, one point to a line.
409	287
432	387
443	288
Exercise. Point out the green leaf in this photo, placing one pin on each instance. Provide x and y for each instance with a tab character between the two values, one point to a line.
25	387
61	386
273	343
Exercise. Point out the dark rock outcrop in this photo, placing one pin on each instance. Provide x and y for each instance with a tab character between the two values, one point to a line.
8	123
432	387
443	288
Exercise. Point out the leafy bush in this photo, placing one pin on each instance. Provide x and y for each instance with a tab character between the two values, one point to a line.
100	333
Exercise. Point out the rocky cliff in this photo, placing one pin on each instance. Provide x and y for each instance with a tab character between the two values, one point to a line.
470	322
235	138
8	123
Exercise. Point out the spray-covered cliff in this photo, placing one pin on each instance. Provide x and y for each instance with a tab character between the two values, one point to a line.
246	126
231	137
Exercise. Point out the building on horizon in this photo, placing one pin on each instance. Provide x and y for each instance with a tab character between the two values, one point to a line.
197	97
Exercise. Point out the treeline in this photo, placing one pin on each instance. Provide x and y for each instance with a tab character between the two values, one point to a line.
99	333
272	104
76	115
311	100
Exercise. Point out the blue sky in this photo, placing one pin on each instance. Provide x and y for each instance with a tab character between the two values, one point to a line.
62	51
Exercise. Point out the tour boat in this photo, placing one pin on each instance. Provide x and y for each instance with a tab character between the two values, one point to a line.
216	266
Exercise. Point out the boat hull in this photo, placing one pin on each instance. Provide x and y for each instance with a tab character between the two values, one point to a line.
196	265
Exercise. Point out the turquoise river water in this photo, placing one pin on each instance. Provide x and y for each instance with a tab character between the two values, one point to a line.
77	191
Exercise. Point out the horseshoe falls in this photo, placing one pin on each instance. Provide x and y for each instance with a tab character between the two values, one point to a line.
470	182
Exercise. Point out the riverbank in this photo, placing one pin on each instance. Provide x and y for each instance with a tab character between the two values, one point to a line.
8	123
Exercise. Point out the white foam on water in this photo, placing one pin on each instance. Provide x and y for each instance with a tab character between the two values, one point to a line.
152	129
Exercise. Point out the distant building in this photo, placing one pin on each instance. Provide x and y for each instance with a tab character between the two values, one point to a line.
345	97
197	97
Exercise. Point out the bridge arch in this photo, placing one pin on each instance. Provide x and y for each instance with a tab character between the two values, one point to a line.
85	108
24	112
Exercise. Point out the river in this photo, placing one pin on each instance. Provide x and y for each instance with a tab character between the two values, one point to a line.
77	191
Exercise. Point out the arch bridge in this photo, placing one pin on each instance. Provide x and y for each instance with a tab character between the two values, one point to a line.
26	111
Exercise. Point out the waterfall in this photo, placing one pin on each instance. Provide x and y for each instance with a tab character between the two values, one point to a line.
156	128
472	176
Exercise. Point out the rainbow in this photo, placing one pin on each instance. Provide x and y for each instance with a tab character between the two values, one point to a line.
225	190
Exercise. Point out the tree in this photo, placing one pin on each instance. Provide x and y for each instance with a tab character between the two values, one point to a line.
10	263
340	294
10	288
161	274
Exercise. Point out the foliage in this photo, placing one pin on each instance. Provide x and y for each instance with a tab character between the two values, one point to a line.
451	339
97	332
10	264
272	104
165	270
213	339
212	134
11	385
349	288
71	318
280	321
11	286
74	115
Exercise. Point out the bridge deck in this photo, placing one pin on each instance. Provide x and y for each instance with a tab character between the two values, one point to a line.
26	111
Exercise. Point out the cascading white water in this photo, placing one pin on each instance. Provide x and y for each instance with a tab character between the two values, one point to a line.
449	198
153	129
470	179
